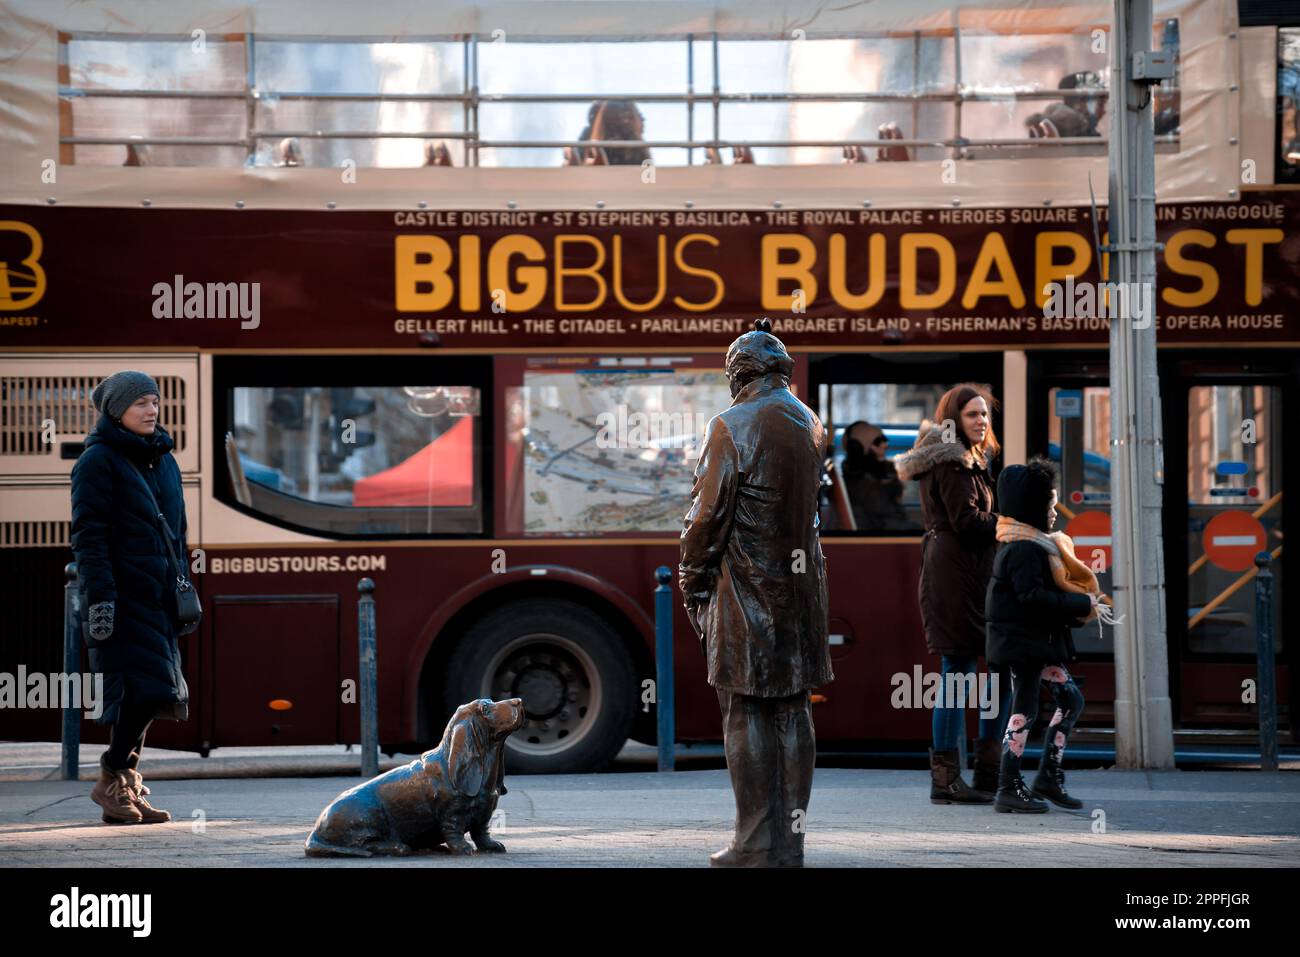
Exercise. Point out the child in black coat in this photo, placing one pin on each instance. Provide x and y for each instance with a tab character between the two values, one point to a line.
1030	609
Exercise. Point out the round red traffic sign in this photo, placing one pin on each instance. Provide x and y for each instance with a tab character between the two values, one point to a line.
1090	532
1232	539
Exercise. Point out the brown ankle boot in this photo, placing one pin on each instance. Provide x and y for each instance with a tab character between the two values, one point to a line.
148	813
113	793
946	784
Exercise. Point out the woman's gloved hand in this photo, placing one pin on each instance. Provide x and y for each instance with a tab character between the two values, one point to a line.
99	621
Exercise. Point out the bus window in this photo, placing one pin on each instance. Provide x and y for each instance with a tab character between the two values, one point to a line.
861	415
606	448
1234	510
363	460
1079	446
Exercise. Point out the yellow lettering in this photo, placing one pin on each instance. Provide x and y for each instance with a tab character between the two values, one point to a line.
468	253
799	271
533	277
1047	271
875	273
660	291
1254	240
908	295
1180	264
993	252
680	262
413	271
592	271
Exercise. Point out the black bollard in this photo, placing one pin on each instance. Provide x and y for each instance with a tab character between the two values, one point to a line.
664	706
367	678
1265	684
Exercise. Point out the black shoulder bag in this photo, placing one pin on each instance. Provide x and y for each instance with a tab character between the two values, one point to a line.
188	610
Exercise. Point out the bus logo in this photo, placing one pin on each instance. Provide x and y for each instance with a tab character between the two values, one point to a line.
22	285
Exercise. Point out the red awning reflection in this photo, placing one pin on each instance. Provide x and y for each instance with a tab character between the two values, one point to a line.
441	473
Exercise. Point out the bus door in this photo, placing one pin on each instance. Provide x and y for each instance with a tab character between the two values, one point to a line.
1226	418
1069	423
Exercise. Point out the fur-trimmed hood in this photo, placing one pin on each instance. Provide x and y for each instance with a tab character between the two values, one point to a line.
930	450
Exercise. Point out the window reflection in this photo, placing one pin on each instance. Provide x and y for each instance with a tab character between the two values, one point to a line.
359	459
606	448
873	424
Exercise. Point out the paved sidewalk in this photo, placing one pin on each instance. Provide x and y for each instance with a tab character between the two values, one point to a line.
857	818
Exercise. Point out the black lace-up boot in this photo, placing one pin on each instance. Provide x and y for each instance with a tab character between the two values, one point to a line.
1013	796
1050	781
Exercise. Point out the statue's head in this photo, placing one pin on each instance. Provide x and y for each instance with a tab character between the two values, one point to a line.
755	354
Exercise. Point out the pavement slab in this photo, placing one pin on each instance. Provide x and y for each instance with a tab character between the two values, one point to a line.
857	818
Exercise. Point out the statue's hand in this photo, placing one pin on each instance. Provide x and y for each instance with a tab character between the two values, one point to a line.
695	611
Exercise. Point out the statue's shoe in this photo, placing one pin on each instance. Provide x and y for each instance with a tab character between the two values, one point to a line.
730	857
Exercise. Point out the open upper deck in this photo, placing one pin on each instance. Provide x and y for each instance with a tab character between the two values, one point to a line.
290	104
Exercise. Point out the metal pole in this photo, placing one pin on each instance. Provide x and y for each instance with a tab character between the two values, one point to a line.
366	678
690	92
1266	682
664	667
70	764
1143	716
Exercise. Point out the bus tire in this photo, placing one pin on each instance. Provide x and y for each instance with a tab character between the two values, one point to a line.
572	671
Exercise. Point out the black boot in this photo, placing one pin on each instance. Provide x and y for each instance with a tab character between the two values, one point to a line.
988	756
946	784
1050	781
1013	797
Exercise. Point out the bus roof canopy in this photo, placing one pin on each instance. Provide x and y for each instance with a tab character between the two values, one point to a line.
36	155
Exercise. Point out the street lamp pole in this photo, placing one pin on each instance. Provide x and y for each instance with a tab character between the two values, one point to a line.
1143	716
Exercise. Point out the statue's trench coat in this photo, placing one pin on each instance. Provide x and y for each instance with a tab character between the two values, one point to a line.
752	572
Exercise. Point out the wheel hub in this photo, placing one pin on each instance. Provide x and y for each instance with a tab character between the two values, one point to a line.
559	686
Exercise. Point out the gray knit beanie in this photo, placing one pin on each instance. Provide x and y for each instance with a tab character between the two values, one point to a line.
116	393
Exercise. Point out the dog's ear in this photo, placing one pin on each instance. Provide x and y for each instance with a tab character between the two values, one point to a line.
500	751
466	759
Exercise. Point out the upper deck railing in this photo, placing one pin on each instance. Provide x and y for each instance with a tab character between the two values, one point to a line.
704	100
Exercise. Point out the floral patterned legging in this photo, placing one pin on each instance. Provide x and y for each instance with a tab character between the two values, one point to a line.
1024	707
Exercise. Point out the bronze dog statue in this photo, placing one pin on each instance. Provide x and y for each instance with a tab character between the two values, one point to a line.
432	801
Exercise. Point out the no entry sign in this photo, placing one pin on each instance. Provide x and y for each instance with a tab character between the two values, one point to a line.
1232	539
1090	532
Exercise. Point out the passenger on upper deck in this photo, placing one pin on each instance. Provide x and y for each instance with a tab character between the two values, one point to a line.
1077	115
610	120
437	154
288	152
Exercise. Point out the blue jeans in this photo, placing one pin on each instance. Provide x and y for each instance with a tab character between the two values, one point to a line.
950	716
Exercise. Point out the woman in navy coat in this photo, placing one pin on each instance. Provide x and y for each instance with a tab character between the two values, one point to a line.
128	580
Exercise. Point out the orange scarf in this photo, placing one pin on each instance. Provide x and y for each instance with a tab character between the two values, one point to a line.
1068	572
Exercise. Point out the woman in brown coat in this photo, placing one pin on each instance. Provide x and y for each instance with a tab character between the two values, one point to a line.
951	463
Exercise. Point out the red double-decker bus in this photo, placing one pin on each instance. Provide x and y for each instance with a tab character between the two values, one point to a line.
442	302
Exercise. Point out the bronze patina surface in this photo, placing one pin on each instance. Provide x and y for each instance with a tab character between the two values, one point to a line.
754	583
431	802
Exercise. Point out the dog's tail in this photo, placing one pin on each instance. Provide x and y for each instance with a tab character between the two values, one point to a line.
315	847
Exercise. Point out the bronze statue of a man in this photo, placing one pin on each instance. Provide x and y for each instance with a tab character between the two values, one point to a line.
754	582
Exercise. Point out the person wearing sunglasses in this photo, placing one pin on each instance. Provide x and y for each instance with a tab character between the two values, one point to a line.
873	487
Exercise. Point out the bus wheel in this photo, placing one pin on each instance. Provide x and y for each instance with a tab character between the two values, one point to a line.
571	670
